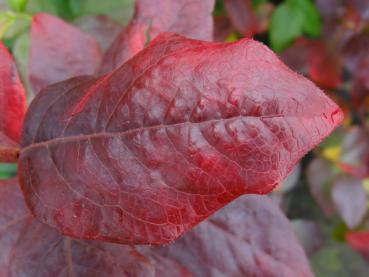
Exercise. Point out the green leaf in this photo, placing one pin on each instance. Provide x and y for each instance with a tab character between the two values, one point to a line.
120	11
18	5
7	170
292	19
21	55
312	20
286	25
12	24
60	8
338	260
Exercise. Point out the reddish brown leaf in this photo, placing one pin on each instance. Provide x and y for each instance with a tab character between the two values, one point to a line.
326	65
12	99
357	58
242	16
145	153
318	59
59	51
192	19
222	28
250	237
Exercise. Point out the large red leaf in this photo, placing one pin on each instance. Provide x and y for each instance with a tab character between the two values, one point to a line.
192	19
250	237
59	51
12	106
147	152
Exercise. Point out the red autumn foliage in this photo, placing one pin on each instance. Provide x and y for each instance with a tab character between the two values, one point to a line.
175	130
12	106
244	229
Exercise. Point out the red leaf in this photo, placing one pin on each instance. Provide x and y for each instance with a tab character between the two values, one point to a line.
12	107
183	128
250	237
12	98
59	51
326	65
359	241
242	16
317	58
192	19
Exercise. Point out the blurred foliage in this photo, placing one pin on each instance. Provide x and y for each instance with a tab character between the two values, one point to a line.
7	170
290	20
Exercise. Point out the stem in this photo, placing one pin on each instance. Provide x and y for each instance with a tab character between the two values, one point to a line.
9	154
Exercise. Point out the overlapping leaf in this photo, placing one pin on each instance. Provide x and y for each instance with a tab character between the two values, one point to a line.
253	239
192	19
147	152
12	106
242	16
59	51
350	199
14	216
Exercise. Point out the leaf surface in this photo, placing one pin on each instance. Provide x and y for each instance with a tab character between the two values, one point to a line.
242	16
250	237
192	19
12	106
59	51
12	97
14	216
349	197
143	154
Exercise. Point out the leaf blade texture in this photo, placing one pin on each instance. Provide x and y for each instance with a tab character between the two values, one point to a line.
145	153
12	106
59	51
192	19
253	237
12	97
